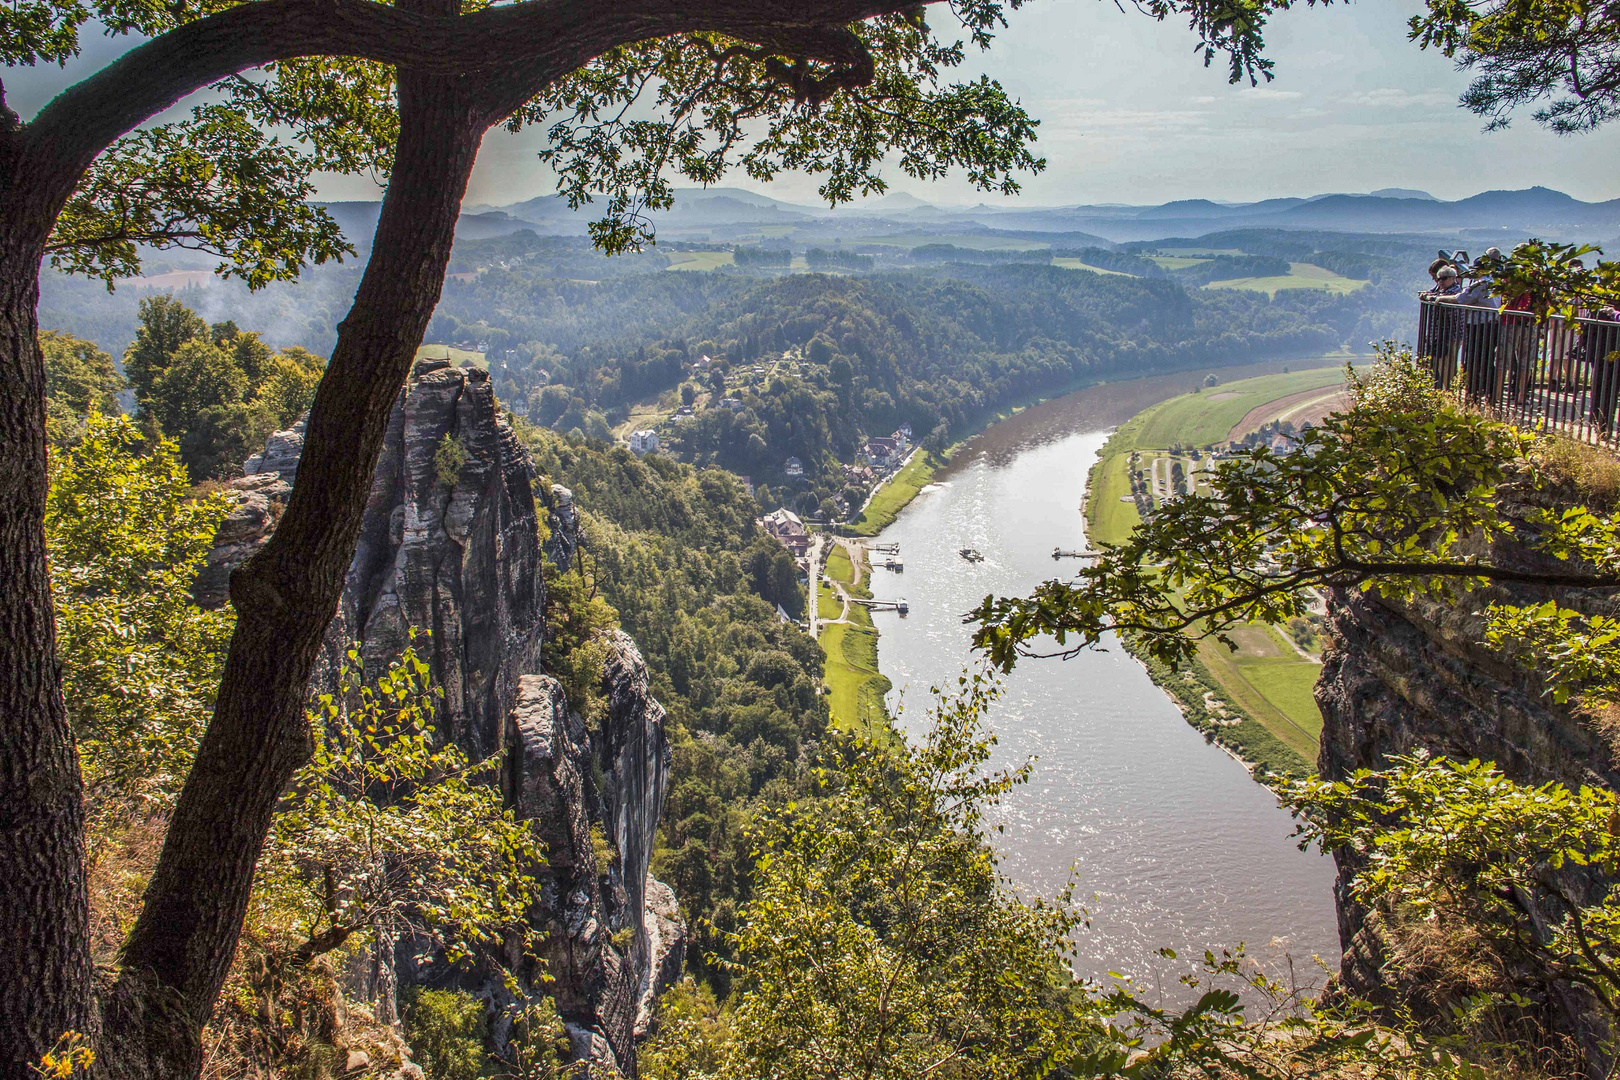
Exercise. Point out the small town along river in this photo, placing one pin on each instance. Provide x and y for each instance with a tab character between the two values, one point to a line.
1171	842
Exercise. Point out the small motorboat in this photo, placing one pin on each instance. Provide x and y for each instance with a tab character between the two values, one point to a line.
971	554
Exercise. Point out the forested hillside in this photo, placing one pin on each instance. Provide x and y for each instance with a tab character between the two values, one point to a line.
938	348
675	552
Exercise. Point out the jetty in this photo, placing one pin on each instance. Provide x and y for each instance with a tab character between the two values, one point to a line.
883	605
887	549
1059	553
892	563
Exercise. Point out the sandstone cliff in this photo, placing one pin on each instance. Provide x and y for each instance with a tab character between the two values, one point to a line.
451	544
1404	677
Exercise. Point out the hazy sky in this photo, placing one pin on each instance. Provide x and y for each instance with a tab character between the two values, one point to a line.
1129	114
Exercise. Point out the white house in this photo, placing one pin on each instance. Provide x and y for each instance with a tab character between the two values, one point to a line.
794	467
643	442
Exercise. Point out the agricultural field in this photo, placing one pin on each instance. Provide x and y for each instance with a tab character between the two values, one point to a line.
1206	417
1076	264
699	260
1267	678
1176	262
1272	682
1300	276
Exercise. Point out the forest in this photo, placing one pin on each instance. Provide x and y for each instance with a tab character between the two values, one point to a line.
940	349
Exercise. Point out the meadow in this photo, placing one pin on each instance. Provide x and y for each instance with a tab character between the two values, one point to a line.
1300	276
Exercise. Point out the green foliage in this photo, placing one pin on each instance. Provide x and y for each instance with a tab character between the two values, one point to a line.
577	622
79	379
198	376
140	662
389	833
880	939
164	325
1460	846
1553	278
446	1030
449	459
218	390
1562	52
215	183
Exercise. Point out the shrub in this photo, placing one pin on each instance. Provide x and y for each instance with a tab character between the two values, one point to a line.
446	1031
449	459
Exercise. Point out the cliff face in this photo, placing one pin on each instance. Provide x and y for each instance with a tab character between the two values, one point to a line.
1398	678
450	543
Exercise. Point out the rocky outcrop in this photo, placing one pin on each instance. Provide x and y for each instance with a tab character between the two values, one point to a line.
450	544
1416	676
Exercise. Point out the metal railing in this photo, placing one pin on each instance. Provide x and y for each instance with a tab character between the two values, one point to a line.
1562	375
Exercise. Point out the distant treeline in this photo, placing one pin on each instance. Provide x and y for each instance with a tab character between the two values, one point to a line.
762	256
822	259
950	253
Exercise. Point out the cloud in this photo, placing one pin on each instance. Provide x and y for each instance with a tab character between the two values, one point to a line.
1257	94
1394	97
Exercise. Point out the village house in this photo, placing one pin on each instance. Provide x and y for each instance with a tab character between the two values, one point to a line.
643	442
787	528
881	451
793	467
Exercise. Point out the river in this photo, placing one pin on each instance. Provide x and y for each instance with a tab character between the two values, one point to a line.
1171	842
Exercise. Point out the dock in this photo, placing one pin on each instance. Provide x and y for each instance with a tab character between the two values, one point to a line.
882	605
887	549
1059	553
891	563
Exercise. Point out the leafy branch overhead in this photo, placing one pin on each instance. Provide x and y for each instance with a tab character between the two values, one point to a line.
1399	494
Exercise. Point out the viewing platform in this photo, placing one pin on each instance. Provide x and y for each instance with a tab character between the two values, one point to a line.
1559	375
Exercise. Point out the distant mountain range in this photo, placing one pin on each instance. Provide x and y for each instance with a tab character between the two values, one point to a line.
735	215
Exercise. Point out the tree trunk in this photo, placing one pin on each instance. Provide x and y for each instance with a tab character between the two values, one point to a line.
181	948
44	914
46	988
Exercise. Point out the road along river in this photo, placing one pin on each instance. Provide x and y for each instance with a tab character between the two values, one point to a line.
1170	840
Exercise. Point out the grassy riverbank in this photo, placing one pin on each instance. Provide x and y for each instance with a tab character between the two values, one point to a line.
1257	701
855	686
893	495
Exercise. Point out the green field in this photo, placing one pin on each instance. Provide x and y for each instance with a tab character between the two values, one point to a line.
896	492
1108	517
828	606
1206	417
1076	264
855	687
1195	419
839	568
1175	262
1301	276
700	260
457	357
1272	683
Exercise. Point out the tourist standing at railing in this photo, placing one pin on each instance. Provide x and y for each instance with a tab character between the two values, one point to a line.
1481	326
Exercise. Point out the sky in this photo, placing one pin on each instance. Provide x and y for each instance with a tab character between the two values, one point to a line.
1129	114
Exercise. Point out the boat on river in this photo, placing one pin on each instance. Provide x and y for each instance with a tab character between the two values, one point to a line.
971	554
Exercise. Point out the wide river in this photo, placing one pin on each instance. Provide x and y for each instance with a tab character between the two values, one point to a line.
1170	840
